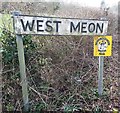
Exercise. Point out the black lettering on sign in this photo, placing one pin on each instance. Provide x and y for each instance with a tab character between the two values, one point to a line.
28	24
83	27
39	25
74	28
99	27
49	26
57	22
91	27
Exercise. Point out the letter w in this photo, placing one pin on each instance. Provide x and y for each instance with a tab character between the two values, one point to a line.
28	24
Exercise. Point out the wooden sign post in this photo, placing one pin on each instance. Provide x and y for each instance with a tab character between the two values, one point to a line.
21	58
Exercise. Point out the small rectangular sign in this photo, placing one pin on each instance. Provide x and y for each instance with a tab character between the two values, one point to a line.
102	46
58	26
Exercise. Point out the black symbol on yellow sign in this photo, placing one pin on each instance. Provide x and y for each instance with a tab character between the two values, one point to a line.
102	45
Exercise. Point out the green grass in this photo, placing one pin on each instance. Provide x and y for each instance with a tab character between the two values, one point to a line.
6	22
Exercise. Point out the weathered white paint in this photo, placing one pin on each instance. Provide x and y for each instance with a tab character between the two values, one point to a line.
59	26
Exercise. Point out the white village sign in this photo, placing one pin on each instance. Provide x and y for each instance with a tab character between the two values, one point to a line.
58	26
38	25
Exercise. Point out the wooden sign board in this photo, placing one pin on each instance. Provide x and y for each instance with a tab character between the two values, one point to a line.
58	26
102	46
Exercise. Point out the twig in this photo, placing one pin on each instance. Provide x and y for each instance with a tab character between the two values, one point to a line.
39	95
87	72
4	72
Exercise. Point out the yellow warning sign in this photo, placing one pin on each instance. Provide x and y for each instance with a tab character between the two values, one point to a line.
103	46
